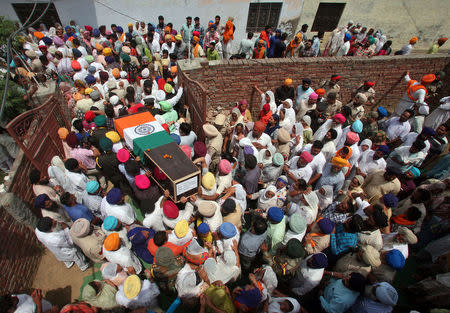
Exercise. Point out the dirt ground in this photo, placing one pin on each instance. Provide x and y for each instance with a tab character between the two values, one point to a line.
59	284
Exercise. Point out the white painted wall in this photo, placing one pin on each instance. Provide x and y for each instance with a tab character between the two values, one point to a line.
92	12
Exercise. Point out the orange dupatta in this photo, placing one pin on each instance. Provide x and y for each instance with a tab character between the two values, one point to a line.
260	54
228	32
401	220
195	52
293	45
311	242
413	88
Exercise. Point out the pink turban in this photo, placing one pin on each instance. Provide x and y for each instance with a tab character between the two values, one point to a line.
123	155
187	150
225	166
339	118
313	96
142	181
306	156
352	138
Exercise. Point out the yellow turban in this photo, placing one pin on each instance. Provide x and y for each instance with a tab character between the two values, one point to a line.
288	81
339	161
195	38
107	52
112	242
208	181
130	24
181	228
88	91
413	40
132	286
114	136
178	37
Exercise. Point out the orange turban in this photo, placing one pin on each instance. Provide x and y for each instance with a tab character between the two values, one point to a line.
196	39
112	242
99	47
441	41
320	91
428	79
413	40
38	35
63	132
174	69
337	161
288	81
116	73
77	96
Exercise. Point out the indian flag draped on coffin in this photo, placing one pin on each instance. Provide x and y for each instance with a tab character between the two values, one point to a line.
141	132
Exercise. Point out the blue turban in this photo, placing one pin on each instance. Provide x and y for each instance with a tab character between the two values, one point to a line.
395	259
415	171
90	79
428	131
48	41
319	260
347	36
76	53
227	230
119	29
110	222
114	196
386	294
326	225
203	228
275	214
390	200
248	150
67	28
92	186
357	126
40	200
251	298
109	59
385	149
176	138
95	32
382	112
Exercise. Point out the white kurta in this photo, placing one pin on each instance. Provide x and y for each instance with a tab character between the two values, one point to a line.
123	212
406	102
124	257
306	278
61	245
367	164
27	305
396	129
147	297
77	184
440	115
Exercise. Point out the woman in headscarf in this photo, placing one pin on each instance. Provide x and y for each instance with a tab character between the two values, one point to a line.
296	142
309	207
284	304
386	48
325	196
266	199
233	119
265	114
217	297
272	128
267	97
380	44
307	131
245	112
225	267
289	111
285	123
190	284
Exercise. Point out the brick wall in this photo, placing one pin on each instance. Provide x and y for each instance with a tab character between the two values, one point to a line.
20	254
226	82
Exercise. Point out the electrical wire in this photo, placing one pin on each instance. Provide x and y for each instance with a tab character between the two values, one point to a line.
9	52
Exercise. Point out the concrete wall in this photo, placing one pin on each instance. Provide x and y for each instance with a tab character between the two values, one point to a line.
400	19
83	11
227	82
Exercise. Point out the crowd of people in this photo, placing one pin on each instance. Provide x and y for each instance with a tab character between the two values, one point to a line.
312	206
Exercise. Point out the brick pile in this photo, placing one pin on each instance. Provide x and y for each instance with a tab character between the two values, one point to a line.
20	254
228	81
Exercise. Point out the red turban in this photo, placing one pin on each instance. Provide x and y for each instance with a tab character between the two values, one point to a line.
369	83
76	65
88	28
89	116
259	126
170	209
335	77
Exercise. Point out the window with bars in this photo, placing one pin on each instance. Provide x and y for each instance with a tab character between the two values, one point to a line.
262	14
23	10
327	16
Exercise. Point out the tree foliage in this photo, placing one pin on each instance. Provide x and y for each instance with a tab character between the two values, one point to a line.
7	27
15	103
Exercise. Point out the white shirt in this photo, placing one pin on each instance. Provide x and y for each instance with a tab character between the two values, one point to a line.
123	212
27	305
124	257
318	161
343	49
299	172
306	278
145	298
59	243
353	160
409	139
165	46
154	219
395	128
367	164
264	139
403	154
77	182
389	244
